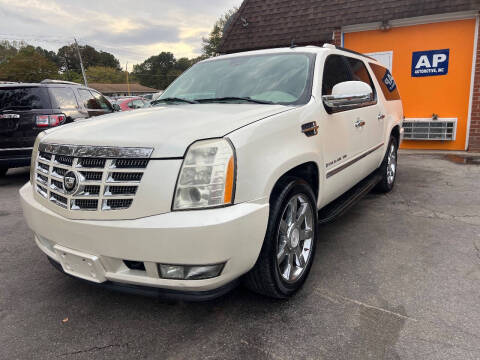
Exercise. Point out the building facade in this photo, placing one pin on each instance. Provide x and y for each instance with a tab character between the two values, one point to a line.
431	47
133	89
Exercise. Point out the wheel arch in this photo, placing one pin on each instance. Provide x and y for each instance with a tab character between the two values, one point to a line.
307	171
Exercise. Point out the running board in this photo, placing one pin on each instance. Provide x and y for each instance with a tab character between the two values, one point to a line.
339	206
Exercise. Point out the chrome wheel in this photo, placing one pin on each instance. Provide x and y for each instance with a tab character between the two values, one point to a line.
294	238
391	164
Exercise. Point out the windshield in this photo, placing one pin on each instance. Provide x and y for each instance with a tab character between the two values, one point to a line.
272	78
24	98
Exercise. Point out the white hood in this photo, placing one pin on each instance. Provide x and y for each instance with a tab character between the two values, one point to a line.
167	129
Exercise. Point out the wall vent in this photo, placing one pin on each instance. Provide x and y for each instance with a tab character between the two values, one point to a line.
429	129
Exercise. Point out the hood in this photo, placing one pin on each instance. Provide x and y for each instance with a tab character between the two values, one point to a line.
167	129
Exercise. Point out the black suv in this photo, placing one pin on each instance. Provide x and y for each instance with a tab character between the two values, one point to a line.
28	109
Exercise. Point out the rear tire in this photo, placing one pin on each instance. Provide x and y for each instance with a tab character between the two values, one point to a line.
388	169
290	242
3	171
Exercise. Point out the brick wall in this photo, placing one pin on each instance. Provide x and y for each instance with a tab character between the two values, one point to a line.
337	37
474	140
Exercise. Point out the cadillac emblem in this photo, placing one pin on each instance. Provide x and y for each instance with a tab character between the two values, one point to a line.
70	182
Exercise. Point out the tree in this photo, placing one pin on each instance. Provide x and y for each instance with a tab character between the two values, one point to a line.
7	50
156	71
211	44
28	66
105	74
68	58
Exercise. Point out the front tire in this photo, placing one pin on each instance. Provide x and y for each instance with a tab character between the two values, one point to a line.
290	241
388	169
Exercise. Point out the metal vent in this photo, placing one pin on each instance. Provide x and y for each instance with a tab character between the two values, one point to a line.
428	129
93	191
91	162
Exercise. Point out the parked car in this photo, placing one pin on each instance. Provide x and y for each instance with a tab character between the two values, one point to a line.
128	104
28	109
148	97
227	180
157	95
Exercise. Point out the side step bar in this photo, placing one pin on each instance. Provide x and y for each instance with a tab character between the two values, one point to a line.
339	206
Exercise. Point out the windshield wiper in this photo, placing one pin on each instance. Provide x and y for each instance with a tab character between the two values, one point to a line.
173	99
233	98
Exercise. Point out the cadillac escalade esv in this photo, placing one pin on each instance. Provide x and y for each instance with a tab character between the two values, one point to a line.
225	179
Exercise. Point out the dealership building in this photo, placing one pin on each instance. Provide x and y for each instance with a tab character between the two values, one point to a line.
429	46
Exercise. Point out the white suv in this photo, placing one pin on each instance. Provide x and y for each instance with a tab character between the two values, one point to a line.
227	178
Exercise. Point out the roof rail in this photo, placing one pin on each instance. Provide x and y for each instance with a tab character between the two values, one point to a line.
49	81
331	46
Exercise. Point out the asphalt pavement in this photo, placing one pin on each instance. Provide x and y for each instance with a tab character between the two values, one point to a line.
397	277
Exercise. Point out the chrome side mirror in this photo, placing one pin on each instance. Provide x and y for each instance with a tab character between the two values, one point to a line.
349	94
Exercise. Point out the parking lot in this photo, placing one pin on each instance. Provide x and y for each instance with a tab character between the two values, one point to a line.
397	277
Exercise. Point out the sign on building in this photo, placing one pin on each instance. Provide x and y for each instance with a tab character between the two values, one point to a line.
430	63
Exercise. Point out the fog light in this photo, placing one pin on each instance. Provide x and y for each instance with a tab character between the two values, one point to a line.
172	271
187	272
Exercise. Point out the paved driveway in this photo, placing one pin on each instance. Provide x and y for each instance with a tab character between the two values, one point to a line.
398	277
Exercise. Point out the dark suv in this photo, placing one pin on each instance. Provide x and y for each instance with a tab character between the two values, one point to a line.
28	109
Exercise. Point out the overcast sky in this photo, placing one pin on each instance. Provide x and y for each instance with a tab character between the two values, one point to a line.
131	30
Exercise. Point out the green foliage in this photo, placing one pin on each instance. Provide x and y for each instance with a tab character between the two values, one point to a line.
157	71
68	58
28	66
104	74
211	44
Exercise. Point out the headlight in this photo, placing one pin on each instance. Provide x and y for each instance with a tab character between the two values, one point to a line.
207	176
34	155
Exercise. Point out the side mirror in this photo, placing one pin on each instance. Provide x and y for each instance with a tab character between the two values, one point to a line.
116	107
349	93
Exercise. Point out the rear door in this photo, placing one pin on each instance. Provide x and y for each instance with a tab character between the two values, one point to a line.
373	115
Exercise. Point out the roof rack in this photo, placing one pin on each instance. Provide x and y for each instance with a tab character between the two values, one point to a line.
331	46
49	81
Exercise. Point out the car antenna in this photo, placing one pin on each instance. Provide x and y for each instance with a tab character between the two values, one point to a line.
292	44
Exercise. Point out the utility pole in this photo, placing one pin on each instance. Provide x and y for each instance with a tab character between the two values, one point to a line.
81	63
128	83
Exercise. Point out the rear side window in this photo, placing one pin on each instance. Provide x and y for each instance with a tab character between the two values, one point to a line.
334	72
102	102
63	98
88	100
24	98
386	81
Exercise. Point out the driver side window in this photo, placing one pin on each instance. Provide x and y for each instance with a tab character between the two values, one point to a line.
335	71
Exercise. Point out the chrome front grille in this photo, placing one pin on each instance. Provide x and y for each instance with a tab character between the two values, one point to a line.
106	178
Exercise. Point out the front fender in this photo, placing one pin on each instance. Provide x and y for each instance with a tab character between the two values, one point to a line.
268	149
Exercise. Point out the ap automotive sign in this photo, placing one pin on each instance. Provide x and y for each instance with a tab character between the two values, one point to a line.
430	63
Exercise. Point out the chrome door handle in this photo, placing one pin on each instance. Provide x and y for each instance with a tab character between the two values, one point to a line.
359	123
381	116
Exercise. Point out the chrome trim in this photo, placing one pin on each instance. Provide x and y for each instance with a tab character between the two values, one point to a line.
96	151
47	187
16	149
353	161
347	101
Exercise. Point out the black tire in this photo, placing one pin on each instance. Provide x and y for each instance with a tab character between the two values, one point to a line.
3	171
387	183
266	277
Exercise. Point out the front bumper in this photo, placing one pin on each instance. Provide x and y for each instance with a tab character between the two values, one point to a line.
231	235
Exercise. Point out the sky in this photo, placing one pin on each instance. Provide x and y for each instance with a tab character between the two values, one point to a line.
130	30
